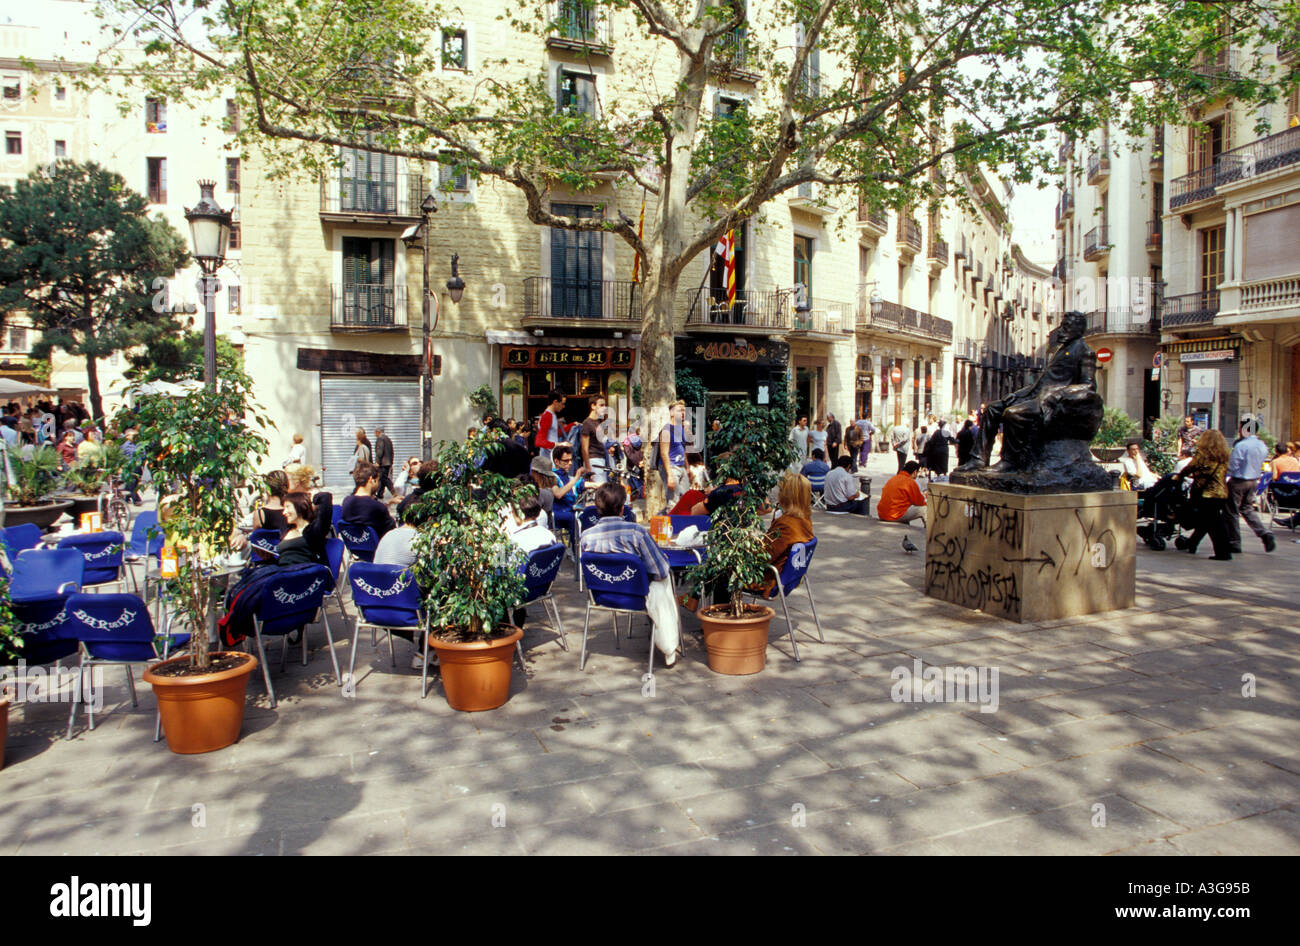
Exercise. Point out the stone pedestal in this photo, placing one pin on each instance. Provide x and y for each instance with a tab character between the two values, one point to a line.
1031	558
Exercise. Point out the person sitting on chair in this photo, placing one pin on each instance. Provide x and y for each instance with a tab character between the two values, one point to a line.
612	533
816	468
1135	468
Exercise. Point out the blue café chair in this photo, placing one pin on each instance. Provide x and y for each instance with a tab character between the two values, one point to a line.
104	553
616	582
42	582
793	573
360	541
287	603
818	484
539	570
334	550
583	519
112	629
18	538
387	599
145	547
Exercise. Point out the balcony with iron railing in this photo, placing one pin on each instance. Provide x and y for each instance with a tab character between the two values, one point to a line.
892	317
966	349
394	200
937	254
762	312
1063	152
909	235
731	59
1064	208
1096	243
872	220
1224	64
824	318
1155	235
1267	154
1123	321
579	302
1188	309
580	26
1098	165
368	307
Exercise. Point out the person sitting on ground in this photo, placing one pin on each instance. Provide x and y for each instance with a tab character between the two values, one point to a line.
361	508
270	514
901	500
842	491
816	468
1135	468
612	533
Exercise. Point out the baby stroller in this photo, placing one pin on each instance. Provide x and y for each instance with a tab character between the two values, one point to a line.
1164	511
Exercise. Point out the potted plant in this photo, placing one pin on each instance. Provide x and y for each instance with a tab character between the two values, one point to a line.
202	453
752	446
82	483
1116	430
468	570
36	478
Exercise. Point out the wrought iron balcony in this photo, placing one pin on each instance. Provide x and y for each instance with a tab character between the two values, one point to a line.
1191	188
1226	63
768	311
731	59
895	317
872	219
1266	154
368	307
1098	166
1096	243
580	26
396	198
1123	321
576	299
938	251
1193	308
909	235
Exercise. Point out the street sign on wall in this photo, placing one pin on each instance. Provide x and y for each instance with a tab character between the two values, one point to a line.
1104	355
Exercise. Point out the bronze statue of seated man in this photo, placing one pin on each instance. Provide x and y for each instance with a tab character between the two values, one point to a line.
1047	427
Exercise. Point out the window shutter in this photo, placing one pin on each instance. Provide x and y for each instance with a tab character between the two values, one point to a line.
162	180
354	261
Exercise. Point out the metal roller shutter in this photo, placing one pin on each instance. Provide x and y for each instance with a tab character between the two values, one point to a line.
349	403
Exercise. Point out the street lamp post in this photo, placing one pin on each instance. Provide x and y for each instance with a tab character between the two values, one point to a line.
210	232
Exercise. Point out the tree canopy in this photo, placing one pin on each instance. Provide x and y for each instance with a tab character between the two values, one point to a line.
81	256
886	100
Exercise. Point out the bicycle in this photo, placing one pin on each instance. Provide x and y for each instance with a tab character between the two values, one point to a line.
114	512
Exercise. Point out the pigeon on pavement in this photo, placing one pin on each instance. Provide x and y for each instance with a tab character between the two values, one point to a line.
908	547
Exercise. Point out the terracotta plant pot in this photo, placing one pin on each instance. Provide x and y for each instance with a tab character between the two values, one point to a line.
202	713
4	727
737	646
476	675
42	514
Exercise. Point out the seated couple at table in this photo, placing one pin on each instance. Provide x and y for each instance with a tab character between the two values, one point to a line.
612	533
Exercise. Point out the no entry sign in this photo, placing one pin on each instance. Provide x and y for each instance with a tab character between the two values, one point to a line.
1104	355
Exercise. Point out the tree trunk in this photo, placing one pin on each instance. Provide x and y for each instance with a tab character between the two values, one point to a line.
92	383
657	375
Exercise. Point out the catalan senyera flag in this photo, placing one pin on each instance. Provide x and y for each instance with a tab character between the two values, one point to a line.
726	248
640	233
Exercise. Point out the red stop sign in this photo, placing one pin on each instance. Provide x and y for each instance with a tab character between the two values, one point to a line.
896	374
1104	355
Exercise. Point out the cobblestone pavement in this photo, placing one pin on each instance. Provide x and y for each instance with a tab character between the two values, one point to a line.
1119	733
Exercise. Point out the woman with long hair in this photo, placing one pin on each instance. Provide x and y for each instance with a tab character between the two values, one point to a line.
793	525
363	451
1208	472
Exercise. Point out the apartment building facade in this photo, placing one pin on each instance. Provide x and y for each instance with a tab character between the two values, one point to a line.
1109	239
1231	315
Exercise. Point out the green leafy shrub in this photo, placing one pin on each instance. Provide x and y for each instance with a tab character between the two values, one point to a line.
36	477
1117	429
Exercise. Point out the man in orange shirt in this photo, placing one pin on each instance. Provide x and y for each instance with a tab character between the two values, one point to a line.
902	500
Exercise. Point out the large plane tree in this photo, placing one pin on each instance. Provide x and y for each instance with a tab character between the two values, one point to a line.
886	100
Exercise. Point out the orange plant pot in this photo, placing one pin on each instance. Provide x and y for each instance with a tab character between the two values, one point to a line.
202	713
476	675
736	646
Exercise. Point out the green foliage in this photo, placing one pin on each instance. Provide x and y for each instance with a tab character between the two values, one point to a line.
85	477
464	560
81	256
617	387
37	477
1158	460
690	388
636	395
483	400
11	641
1117	429
180	358
203	449
40	368
514	387
755	448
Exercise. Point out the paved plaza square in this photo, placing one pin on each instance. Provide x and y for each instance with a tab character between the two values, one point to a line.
1125	732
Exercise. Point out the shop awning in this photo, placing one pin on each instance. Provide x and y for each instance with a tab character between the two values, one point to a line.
552	341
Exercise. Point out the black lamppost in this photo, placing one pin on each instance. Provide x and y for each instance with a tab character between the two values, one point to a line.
210	232
456	291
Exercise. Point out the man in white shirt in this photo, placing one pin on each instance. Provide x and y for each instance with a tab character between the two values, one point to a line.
528	531
1136	469
841	490
799	437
